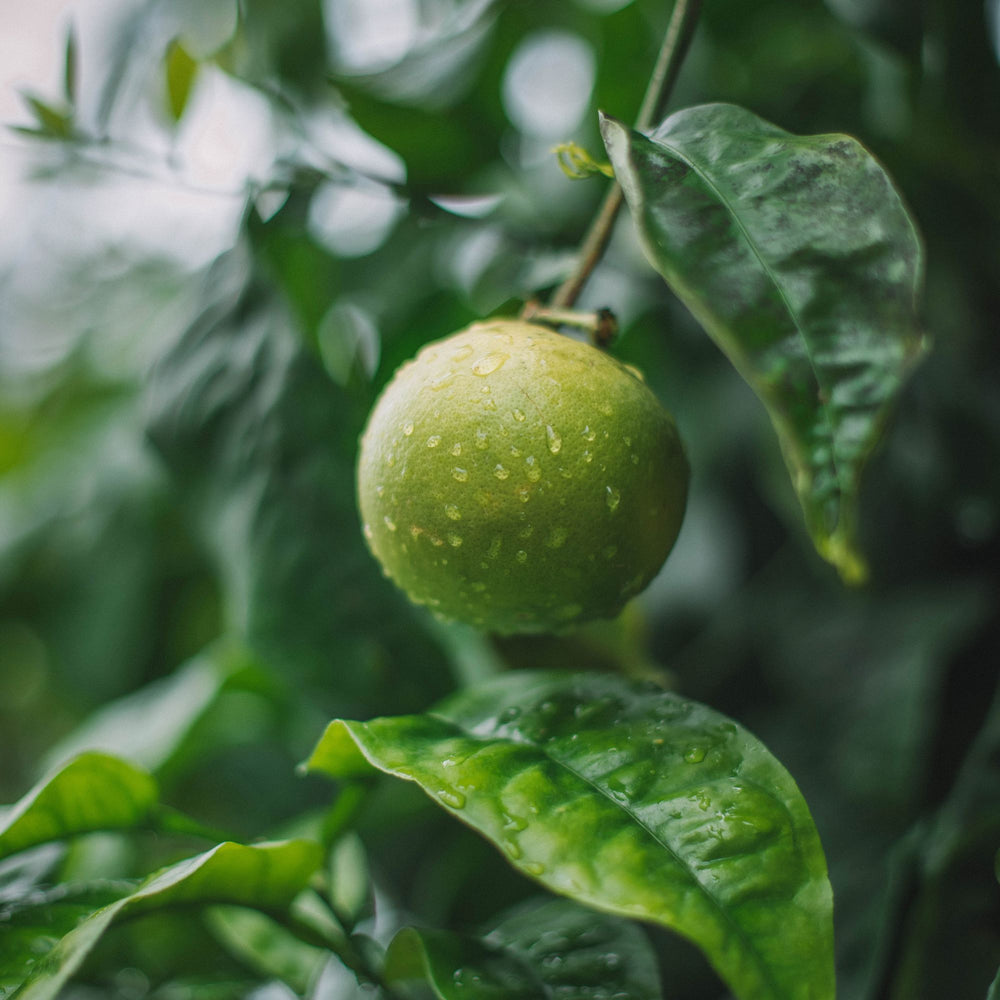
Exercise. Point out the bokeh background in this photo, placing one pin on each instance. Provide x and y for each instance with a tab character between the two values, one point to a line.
222	226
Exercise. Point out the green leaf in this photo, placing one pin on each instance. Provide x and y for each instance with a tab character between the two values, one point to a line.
92	792
53	122
555	948
181	70
798	257
265	876
266	947
70	61
994	993
633	801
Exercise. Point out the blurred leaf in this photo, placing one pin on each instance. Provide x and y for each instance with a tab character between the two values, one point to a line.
631	800
798	257
552	948
260	444
267	876
150	724
994	993
70	66
53	122
350	882
92	792
266	947
180	70
32	926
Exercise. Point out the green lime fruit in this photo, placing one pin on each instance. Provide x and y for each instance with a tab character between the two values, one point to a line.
519	480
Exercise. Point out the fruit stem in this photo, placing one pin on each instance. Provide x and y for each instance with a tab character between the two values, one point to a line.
675	45
601	325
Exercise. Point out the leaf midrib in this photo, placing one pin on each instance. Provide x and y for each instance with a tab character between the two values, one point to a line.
682	864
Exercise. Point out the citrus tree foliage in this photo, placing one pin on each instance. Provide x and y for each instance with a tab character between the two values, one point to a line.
238	762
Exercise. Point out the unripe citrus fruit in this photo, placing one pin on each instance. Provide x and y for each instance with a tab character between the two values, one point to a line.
519	480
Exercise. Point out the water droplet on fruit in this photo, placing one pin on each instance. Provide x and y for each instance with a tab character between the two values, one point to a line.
489	364
694	755
534	472
517	414
379	490
456	449
442	381
607	409
587	456
515	451
459	475
512	848
557	537
452	512
368	533
533	868
488	404
390	459
612	498
526	532
482	439
462	352
555	441
494	550
454	541
609	551
523	494
408	428
389	523
588	434
434	440
500	472
521	556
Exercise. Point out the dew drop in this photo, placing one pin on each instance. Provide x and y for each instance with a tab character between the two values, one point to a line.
489	364
518	415
523	494
379	490
479	587
588	434
456	449
494	550
512	848
408	428
612	498
462	352
521	556
456	800
500	472
694	755
609	551
587	456
460	475
454	541
452	512
533	868
628	441
607	409
434	440
555	441
565	473
488	404
442	381
635	458
534	472
416	531
368	533
515	451
482	439
526	532
390	459
557	537
389	523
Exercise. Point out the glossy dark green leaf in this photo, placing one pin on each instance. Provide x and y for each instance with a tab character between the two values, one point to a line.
92	792
552	948
180	70
265	876
633	801
798	257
